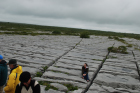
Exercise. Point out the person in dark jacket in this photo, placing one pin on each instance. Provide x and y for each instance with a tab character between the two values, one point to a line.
85	72
27	85
3	73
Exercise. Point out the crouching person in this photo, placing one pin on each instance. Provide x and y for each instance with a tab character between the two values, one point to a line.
85	72
13	78
27	85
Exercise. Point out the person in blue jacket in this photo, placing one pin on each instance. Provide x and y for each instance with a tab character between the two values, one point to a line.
3	73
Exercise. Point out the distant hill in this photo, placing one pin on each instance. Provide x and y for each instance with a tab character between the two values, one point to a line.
31	29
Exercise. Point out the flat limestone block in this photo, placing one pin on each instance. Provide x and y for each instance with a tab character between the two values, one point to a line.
95	87
118	64
78	84
76	91
31	70
42	89
86	56
117	81
59	86
70	66
63	76
69	71
76	62
53	91
119	69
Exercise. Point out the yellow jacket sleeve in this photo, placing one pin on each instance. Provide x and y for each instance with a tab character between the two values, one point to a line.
10	83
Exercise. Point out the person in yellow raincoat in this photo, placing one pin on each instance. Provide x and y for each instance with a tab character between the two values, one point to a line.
13	78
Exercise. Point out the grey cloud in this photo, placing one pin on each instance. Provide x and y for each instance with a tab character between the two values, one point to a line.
114	15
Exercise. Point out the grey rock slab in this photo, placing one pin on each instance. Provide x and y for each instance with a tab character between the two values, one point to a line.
53	91
82	60
30	65
128	90
60	87
50	74
34	60
117	81
43	57
119	69
42	89
76	91
31	70
68	71
80	85
70	66
87	56
80	63
96	87
118	64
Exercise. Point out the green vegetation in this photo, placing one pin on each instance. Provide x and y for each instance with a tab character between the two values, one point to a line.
71	87
47	84
30	29
45	68
129	45
120	49
56	32
84	35
137	49
121	40
38	74
117	38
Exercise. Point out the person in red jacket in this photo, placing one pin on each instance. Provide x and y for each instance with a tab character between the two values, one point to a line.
85	72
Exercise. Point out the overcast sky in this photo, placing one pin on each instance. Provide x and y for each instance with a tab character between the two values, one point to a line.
107	15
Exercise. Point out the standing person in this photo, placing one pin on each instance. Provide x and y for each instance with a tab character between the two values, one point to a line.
13	78
27	85
85	72
3	73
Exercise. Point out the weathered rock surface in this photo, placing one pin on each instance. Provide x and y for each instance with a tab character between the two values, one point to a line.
65	56
60	87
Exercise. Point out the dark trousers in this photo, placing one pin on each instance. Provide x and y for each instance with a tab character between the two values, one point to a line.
86	76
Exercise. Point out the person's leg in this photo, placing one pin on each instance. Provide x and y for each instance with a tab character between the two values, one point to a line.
1	89
86	77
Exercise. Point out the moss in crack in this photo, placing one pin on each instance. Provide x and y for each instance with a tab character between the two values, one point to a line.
47	84
120	49
71	87
45	68
38	74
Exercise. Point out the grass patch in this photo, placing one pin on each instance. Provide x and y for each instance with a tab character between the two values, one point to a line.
45	68
84	35
129	45
38	74
71	87
56	32
110	37
31	29
47	84
120	49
